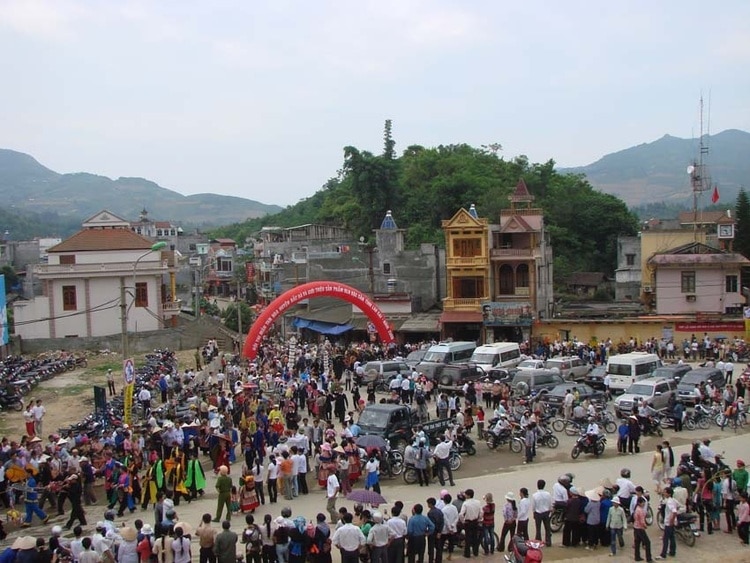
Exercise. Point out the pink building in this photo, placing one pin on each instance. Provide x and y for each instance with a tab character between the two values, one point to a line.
696	278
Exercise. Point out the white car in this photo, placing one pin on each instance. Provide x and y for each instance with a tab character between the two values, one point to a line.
530	364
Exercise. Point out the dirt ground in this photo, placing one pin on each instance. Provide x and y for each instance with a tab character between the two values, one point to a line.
69	397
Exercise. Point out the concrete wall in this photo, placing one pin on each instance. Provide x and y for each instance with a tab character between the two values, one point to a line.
710	294
188	335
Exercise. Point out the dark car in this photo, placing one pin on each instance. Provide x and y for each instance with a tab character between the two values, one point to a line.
595	378
501	375
532	381
455	375
687	385
674	371
554	397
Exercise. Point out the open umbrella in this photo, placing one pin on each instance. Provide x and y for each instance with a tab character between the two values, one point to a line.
371	441
366	497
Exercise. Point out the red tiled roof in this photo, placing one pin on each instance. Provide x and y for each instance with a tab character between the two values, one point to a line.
521	189
162	224
224	241
103	239
702	217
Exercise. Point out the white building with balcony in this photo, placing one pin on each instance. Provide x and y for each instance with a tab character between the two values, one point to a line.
85	277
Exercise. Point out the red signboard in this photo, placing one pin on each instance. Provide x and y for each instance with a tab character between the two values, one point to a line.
250	271
710	327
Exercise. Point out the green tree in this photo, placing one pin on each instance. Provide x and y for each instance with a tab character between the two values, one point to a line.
742	229
230	316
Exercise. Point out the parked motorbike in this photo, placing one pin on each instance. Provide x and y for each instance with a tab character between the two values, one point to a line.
524	551
652	426
10	401
547	438
585	445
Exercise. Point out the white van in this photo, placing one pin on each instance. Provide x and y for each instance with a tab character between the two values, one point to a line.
626	369
498	355
445	353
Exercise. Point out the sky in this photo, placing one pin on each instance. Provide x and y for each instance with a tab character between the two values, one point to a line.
258	99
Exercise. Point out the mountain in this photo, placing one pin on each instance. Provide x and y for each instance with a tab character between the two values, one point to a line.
28	186
657	171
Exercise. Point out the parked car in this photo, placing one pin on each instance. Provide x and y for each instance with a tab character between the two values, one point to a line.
455	375
693	378
675	371
500	374
655	390
572	368
528	382
385	370
595	378
415	357
554	397
530	363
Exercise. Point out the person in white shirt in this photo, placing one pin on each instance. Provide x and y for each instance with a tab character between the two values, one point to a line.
706	453
592	431
144	397
397	525
560	491
332	492
568	404
300	470
470	514
524	511
625	487
348	538
442	461
729	369
542	502
450	522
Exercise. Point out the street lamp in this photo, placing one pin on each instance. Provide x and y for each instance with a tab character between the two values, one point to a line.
123	303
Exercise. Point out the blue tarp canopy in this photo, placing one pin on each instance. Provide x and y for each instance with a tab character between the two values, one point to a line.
320	326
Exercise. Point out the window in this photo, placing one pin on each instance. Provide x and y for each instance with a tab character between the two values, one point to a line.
141	294
467	247
223	264
71	259
468	288
731	284
70	303
387	268
630	259
688	282
191	247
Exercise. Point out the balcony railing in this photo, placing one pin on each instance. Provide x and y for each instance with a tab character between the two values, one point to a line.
464	303
466	261
143	268
511	252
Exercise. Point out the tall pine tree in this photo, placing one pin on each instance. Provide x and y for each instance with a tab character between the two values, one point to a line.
742	228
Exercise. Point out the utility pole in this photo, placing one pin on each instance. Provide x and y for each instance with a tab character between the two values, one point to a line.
371	271
123	320
239	309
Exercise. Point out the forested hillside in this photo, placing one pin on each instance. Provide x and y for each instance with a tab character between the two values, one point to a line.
424	185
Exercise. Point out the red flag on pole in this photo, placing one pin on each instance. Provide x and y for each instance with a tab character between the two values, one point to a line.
715	196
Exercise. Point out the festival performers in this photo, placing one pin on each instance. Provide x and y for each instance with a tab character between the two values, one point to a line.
154	481
248	495
195	478
175	476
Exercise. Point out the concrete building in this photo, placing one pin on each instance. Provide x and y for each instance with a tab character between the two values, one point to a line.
86	277
697	279
628	272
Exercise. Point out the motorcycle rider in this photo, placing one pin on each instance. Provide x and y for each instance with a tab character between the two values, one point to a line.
502	426
560	495
625	487
645	416
707	455
592	432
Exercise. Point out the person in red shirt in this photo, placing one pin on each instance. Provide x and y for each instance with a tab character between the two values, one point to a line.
639	530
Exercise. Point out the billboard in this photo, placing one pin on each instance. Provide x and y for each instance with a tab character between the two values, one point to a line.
3	313
507	313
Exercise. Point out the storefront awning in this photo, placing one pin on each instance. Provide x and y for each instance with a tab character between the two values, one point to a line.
321	327
426	322
461	317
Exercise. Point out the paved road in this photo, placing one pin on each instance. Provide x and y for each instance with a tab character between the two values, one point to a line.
499	480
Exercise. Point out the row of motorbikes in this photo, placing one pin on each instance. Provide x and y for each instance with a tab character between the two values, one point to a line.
102	421
19	375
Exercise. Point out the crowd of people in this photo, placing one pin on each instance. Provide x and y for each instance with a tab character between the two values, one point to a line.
263	428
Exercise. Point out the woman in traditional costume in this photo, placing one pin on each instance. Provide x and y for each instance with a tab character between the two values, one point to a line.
248	496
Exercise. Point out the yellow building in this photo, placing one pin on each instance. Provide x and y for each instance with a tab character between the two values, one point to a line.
467	277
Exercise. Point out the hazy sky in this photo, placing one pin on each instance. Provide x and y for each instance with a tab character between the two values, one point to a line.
258	99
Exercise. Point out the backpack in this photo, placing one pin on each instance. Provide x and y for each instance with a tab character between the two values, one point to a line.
419	398
281	535
252	539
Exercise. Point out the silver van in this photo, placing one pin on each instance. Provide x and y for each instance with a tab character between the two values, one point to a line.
445	353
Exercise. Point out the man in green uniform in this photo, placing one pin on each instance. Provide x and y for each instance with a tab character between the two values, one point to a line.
224	487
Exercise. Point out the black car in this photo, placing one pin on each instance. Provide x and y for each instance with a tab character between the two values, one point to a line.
500	374
554	398
532	381
595	378
674	371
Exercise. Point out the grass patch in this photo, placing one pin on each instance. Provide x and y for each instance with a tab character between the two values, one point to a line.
103	367
82	390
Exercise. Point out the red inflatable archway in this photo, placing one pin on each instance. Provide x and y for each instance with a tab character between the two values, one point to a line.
306	291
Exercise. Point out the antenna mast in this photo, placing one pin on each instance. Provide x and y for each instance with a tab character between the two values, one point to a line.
699	179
